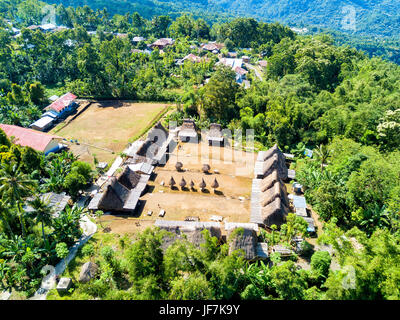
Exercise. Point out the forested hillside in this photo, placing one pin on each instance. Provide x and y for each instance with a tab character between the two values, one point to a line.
372	17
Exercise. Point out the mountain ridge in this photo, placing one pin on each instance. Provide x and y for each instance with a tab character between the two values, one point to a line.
373	18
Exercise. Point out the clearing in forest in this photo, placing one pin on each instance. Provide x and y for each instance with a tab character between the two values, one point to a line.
105	128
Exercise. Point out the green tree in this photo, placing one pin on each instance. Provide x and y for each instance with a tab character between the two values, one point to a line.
41	213
15	186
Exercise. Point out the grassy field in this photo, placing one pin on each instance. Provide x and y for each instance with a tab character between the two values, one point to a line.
105	128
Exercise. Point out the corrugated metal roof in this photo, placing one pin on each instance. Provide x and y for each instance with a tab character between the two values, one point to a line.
43	122
62	102
27	137
299	201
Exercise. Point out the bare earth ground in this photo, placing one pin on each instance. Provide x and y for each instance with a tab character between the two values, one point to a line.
106	126
234	179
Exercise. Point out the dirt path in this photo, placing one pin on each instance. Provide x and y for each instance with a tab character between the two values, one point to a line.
49	281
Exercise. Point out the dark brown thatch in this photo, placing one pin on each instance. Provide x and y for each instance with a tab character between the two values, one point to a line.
179	166
191	184
274	213
269	161
129	178
172	182
189	230
206	168
270	180
215	184
148	149
202	184
182	183
243	239
278	190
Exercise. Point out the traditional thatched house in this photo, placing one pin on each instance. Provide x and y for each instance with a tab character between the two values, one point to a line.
121	194
268	161
153	150
274	213
189	230
269	199
214	135
278	190
158	134
243	239
188	131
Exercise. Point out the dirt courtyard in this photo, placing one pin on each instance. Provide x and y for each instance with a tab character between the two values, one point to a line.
231	201
105	127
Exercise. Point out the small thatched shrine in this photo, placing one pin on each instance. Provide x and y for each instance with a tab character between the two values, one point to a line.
182	184
178	166
188	131
206	168
172	182
215	184
214	136
202	184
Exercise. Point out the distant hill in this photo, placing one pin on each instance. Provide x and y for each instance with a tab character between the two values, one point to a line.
372	17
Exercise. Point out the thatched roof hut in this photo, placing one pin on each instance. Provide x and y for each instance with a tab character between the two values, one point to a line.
158	134
129	178
270	180
215	184
188	130
202	184
245	240
215	134
274	213
182	183
120	195
278	190
172	182
179	166
191	184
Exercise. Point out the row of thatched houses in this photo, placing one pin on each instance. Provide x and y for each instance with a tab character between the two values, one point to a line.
121	193
188	133
240	236
269	199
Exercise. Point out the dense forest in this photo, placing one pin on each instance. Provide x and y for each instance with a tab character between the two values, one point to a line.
375	33
314	94
372	17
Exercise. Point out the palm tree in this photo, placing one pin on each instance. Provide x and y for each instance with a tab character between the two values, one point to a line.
5	216
14	187
42	213
322	153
